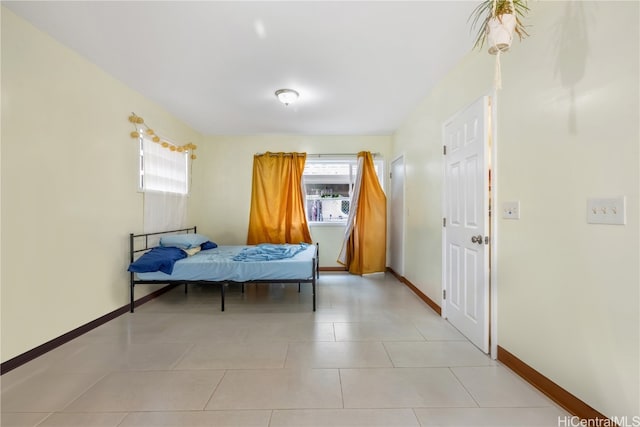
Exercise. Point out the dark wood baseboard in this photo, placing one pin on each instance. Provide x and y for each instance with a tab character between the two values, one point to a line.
431	303
28	356
552	390
332	268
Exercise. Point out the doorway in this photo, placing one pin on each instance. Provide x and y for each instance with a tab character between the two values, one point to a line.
466	238
396	177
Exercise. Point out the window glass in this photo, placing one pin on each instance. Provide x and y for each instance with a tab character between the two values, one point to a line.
328	188
162	169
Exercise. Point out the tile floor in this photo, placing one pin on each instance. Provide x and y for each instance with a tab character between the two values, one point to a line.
373	354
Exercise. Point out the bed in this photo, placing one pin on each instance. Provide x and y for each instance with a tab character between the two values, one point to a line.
207	263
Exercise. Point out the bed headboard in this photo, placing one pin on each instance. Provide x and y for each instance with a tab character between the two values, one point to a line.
140	242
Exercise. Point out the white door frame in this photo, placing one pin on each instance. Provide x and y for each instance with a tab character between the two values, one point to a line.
404	204
493	264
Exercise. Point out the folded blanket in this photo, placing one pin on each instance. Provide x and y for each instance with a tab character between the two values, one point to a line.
157	259
268	252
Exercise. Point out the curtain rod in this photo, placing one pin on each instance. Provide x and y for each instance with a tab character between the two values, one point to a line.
328	154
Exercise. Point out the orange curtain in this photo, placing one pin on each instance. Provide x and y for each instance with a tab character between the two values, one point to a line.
365	247
277	200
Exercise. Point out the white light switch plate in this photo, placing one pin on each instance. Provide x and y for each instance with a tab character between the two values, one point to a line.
511	210
606	211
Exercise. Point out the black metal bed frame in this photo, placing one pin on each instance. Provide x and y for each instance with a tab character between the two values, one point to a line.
133	281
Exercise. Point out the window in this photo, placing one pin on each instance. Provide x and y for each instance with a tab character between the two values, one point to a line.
328	188
162	169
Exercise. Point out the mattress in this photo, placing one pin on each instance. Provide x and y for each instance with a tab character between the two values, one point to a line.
217	265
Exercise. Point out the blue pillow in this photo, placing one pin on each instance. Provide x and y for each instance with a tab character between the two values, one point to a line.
208	245
157	259
184	241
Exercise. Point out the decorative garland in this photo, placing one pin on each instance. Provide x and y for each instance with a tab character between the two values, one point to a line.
142	129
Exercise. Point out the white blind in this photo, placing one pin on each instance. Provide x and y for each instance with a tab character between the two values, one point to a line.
163	170
164	211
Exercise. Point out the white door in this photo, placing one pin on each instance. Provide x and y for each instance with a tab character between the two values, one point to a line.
397	216
466	225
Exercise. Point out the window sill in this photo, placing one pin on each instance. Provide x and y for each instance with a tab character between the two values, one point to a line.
327	223
314	197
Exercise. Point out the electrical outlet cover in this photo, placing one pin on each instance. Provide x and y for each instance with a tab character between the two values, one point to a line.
610	210
511	210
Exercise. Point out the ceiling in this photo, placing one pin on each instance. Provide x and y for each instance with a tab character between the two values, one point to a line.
360	66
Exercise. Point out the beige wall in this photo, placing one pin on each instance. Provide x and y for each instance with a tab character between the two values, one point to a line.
69	192
221	192
567	130
568	292
69	171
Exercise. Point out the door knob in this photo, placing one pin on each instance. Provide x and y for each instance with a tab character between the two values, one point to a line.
477	239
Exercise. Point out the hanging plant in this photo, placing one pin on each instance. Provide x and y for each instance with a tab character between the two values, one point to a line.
496	21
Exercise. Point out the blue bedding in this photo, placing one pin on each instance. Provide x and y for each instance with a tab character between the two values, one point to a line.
157	259
269	252
218	265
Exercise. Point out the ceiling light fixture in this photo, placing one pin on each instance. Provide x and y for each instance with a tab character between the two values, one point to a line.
287	96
